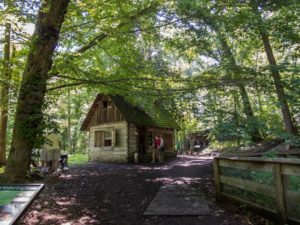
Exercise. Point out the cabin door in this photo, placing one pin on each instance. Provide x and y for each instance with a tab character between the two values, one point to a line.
142	140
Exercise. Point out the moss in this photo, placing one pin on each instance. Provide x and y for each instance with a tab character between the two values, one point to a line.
154	115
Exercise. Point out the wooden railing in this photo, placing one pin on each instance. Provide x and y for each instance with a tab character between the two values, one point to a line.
271	185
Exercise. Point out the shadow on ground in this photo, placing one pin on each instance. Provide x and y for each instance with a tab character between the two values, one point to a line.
118	194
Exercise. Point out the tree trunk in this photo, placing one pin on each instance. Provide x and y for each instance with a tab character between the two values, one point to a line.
287	118
32	92
69	123
4	94
251	119
229	59
236	116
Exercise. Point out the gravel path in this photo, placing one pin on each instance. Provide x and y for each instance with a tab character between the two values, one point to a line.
118	194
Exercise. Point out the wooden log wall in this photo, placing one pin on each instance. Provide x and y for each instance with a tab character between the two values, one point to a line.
116	153
132	141
106	112
168	137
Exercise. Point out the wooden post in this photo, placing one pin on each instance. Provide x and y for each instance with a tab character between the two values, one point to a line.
217	179
279	193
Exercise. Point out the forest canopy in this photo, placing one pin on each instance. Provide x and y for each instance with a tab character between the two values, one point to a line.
230	67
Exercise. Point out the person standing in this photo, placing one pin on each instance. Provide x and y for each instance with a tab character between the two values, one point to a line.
156	148
51	152
45	162
161	150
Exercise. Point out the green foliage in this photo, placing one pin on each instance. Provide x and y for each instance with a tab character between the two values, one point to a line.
270	154
170	51
226	131
77	159
293	141
2	169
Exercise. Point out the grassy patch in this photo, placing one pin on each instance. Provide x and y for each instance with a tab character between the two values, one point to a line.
77	159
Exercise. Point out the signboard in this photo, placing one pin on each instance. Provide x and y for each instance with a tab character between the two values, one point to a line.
15	199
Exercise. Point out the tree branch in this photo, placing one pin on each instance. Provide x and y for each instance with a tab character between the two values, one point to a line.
100	37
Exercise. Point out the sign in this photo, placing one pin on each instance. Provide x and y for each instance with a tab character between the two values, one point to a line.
15	199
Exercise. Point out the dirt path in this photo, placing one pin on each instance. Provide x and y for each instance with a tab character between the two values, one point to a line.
118	194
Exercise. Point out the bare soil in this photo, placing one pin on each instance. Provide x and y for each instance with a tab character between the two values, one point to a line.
118	194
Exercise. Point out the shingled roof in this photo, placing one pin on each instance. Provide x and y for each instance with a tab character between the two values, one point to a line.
154	115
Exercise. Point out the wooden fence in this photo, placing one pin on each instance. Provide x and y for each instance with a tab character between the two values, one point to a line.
271	185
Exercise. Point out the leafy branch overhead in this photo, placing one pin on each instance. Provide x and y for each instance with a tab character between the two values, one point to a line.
227	67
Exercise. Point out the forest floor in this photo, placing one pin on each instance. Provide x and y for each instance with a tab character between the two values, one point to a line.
118	194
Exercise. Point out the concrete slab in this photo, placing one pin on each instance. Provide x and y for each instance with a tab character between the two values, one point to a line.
178	200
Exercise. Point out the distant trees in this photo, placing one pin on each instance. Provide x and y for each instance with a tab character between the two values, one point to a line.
238	29
279	86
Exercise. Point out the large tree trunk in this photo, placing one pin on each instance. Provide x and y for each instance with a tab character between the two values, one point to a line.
4	95
229	59
33	88
251	119
287	118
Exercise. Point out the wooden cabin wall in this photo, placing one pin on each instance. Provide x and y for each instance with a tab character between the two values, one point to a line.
168	137
118	153
102	114
132	141
106	116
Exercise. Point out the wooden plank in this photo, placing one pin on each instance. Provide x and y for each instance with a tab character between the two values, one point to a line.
256	166
260	154
297	221
290	170
108	125
243	201
280	167
248	185
266	160
292	196
217	179
279	193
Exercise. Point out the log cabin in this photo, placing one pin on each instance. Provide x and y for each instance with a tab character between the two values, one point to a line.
121	132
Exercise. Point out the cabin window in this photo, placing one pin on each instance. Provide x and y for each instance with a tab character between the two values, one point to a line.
104	138
107	138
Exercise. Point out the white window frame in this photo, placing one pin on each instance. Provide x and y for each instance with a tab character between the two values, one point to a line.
113	138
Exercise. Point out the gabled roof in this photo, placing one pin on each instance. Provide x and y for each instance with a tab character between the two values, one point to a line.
155	115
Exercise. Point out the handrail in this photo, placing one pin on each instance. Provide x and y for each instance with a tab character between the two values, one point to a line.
261	159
